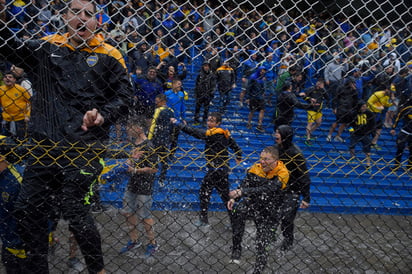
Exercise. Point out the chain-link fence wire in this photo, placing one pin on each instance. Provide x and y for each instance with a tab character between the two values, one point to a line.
360	207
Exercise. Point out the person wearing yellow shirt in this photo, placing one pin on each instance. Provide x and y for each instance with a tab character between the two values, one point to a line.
15	103
377	102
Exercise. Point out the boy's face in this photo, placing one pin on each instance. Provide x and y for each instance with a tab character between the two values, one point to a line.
211	122
267	161
159	102
176	85
134	130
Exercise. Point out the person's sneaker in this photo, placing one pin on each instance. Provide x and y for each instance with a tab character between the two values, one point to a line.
273	235
98	208
339	139
375	146
260	129
328	138
161	182
54	243
235	259
201	223
311	138
248	126
130	246
286	245
76	264
151	250
308	143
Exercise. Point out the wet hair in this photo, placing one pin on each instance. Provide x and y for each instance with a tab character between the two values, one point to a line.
217	116
286	85
9	72
176	79
162	97
69	3
152	68
286	132
136	121
272	151
360	104
403	71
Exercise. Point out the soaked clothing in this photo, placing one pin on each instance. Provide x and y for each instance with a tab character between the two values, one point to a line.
78	80
142	183
204	92
217	143
12	253
61	187
261	197
361	129
160	133
405	134
285	108
61	171
299	181
226	79
255	91
345	102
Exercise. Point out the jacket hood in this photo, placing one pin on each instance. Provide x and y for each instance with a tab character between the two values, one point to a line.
360	104
256	75
286	133
204	64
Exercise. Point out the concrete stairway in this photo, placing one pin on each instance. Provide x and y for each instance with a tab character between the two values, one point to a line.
339	185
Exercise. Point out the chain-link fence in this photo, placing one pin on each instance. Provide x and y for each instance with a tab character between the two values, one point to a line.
169	107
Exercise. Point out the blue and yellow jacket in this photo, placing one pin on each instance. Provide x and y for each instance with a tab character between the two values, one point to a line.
10	180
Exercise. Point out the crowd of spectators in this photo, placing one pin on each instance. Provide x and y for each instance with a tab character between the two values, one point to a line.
181	24
278	56
304	47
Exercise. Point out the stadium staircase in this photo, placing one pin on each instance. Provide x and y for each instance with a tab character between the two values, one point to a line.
339	184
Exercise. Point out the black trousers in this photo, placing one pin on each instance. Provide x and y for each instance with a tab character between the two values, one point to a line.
214	178
262	218
49	187
12	263
164	159
205	102
289	208
403	140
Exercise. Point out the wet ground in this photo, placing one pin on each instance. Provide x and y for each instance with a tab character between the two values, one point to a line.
325	243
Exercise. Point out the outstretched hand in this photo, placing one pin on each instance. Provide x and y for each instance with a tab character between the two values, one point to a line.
3	10
304	204
230	204
92	118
